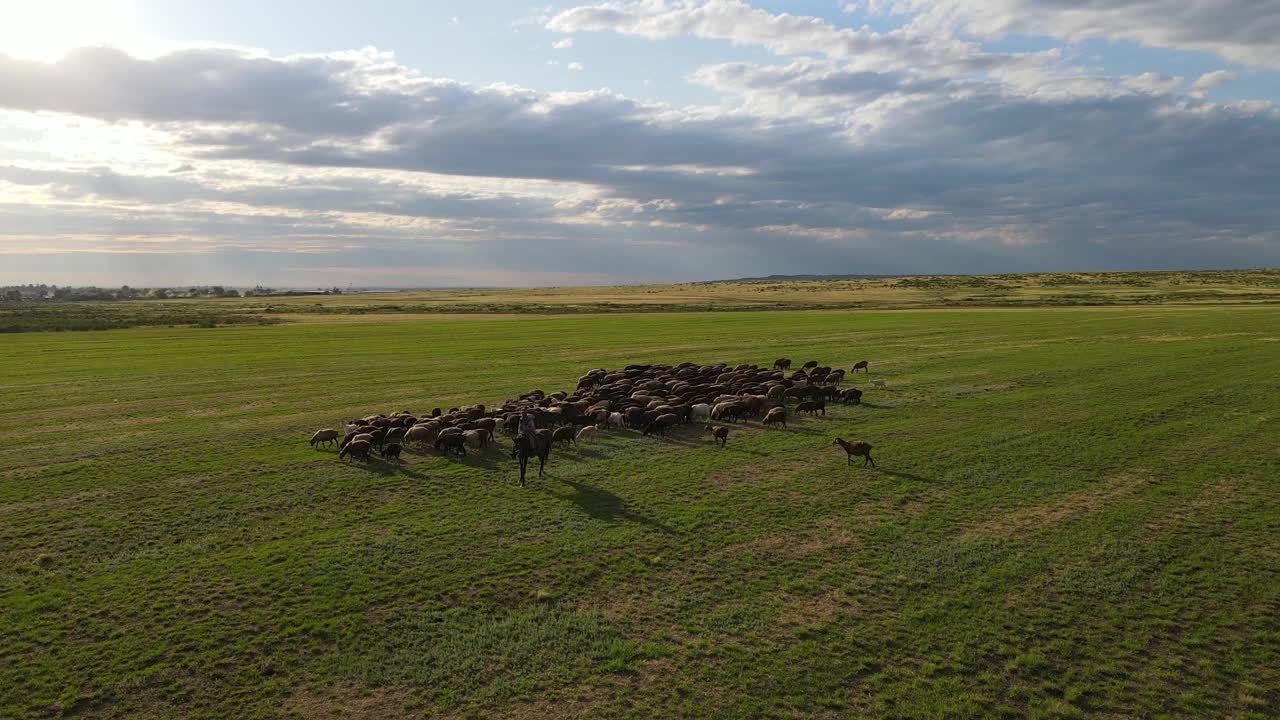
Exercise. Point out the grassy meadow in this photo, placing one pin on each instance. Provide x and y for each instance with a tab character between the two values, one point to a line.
1111	289
1076	513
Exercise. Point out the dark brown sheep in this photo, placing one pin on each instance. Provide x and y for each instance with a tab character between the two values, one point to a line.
391	450
857	447
452	443
563	435
719	434
862	365
852	396
776	416
782	363
358	450
812	407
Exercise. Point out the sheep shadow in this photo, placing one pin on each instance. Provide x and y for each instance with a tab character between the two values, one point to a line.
875	406
906	476
603	505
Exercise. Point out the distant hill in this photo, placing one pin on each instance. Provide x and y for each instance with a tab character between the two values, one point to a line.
777	278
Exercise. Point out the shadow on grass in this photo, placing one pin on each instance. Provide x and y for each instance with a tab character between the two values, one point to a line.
602	504
875	406
906	476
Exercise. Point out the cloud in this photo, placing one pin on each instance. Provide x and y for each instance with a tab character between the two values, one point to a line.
1241	31
814	164
564	44
783	34
575	66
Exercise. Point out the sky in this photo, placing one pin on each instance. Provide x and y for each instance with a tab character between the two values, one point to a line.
395	143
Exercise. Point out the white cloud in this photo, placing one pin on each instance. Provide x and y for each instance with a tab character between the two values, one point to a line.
1241	31
575	66
564	44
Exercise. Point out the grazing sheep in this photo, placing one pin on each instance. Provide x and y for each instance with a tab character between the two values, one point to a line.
776	416
861	365
719	434
394	436
587	434
358	437
358	450
782	363
655	428
857	447
476	439
563	435
328	436
616	420
852	396
813	407
878	382
391	450
451	443
809	365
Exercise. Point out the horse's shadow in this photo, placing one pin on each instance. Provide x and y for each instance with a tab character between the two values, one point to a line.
603	505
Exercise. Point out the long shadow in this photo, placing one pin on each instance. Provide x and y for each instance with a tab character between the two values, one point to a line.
602	504
875	406
906	475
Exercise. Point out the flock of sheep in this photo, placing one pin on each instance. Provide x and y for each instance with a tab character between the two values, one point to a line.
648	398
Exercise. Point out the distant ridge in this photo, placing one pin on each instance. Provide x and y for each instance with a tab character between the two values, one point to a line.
801	277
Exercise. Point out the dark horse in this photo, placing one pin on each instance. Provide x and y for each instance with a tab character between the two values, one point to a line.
537	444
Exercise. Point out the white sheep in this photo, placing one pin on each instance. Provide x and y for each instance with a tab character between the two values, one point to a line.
701	411
587	434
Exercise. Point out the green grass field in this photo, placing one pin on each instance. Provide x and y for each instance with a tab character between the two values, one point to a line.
1076	514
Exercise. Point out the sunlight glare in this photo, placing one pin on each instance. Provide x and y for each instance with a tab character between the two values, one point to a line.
47	29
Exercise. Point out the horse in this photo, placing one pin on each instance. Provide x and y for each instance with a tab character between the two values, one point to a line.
526	446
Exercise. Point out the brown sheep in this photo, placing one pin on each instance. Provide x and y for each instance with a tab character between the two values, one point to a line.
328	436
782	363
813	407
451	443
719	434
563	435
391	450
587	434
861	365
776	416
420	434
476	439
857	447
358	450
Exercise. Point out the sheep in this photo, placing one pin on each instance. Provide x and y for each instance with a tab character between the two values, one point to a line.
861	365
358	450
809	365
616	420
857	447
420	434
394	436
587	434
776	416
813	407
719	434
852	395
700	411
563	435
359	437
782	363
391	450
451	443
328	436
878	383
475	438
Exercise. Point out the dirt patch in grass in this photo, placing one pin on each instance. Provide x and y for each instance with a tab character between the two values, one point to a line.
1025	522
349	700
